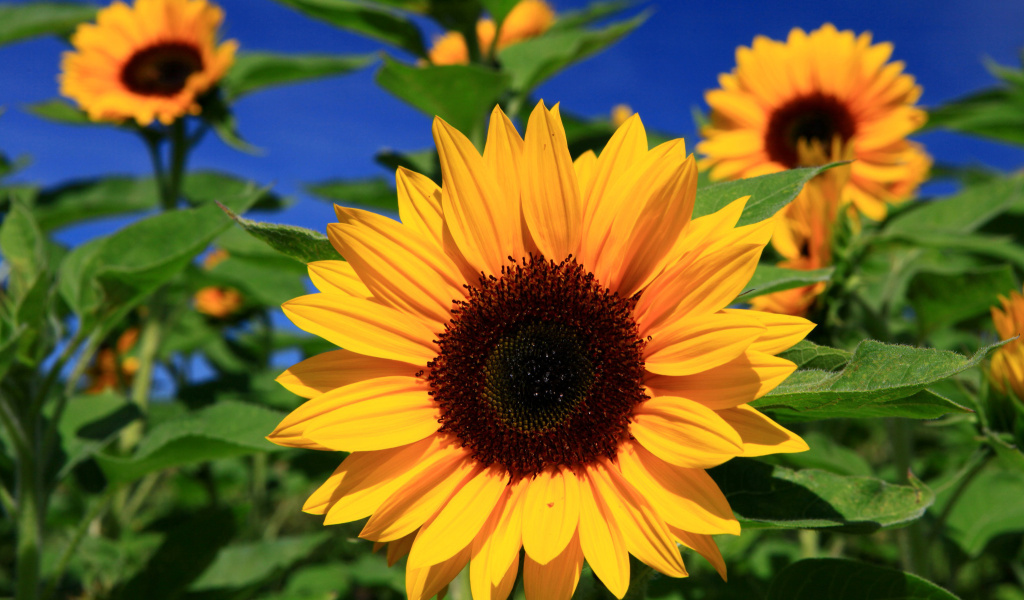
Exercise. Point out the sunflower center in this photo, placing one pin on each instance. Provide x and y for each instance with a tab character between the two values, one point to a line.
541	366
816	117
161	70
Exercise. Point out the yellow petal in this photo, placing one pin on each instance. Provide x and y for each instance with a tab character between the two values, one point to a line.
704	545
551	512
627	146
760	434
550	193
585	166
693	344
419	500
427	582
646	535
684	433
399	548
337	277
377	423
338	368
475	211
781	331
489	568
364	327
685	498
556	579
419	204
503	154
743	379
601	541
460	520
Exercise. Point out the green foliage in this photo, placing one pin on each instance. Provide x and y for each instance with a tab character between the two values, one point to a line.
996	113
301	244
254	71
768	193
769	279
374	194
841	579
21	22
776	497
366	19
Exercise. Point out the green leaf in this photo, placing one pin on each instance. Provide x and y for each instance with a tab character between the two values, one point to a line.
962	213
267	280
79	201
364	19
768	193
808	355
533	61
499	9
61	111
223	430
376	193
990	506
424	162
996	113
842	579
22	249
828	454
254	71
462	95
879	381
304	245
242	565
595	11
110	275
766	496
21	22
941	300
768	279
207	187
89	422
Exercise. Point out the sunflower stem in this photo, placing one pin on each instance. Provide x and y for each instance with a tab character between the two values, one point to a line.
179	156
149	344
31	512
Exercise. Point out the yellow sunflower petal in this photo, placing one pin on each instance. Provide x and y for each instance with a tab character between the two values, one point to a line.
743	379
704	545
700	342
363	326
684	433
557	578
419	204
601	541
474	207
551	196
686	498
781	331
760	434
337	277
427	582
489	567
399	548
461	518
627	146
585	166
338	368
503	153
551	511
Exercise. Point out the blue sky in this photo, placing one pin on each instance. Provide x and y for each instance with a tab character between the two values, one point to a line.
332	128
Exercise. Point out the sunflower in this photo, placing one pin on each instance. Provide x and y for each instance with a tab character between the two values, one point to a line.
217	302
150	61
538	356
822	86
1007	368
527	19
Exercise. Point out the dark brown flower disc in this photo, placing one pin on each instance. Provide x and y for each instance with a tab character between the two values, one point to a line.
816	117
161	70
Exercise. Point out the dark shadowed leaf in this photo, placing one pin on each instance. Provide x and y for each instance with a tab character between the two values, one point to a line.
989	506
254	71
462	95
768	279
61	111
241	565
841	579
375	193
766	496
89	422
533	61
21	22
364	19
879	381
223	430
304	245
424	162
975	291
768	193
95	198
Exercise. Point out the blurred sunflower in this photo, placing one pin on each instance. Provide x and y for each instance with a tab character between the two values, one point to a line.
559	385
1007	368
527	19
150	61
113	366
822	86
217	302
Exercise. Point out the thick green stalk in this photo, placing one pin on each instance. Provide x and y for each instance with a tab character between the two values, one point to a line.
179	157
29	498
149	345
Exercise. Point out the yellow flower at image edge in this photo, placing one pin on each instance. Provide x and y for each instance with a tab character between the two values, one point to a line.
527	19
1007	369
821	86
557	386
147	62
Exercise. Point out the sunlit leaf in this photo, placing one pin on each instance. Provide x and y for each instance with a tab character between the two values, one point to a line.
61	111
462	95
842	579
21	22
365	19
253	71
304	245
808	355
996	113
768	193
768	279
766	496
879	381
240	565
962	213
223	430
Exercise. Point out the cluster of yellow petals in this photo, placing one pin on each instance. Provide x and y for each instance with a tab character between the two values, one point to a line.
217	301
128	43
875	100
1007	369
528	19
624	215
